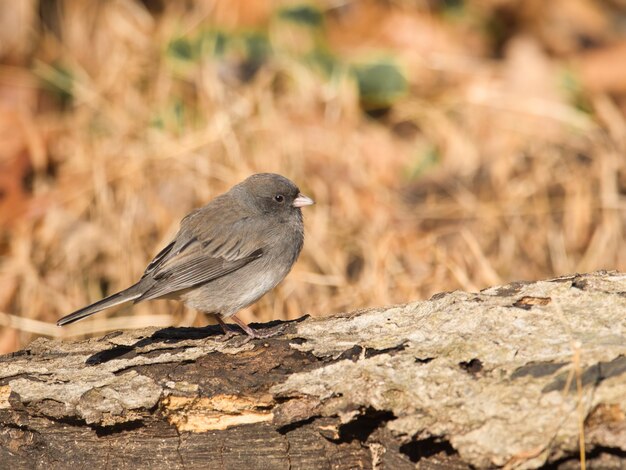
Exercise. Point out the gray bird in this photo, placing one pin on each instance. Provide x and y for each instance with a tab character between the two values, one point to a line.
226	255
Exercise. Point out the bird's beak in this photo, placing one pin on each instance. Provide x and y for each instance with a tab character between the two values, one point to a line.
302	201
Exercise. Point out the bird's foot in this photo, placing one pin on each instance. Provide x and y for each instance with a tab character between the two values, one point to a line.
228	334
266	333
252	333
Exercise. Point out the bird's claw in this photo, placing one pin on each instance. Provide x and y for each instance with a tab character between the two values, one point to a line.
251	333
228	335
268	333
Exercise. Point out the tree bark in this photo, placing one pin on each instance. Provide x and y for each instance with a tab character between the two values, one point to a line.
517	375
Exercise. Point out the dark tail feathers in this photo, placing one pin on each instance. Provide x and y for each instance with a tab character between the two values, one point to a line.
124	296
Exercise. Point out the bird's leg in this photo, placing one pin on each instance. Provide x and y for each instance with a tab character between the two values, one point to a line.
228	332
252	333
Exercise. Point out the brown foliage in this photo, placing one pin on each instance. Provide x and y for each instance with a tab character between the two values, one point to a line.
503	161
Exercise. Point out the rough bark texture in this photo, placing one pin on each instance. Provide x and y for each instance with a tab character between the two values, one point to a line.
505	377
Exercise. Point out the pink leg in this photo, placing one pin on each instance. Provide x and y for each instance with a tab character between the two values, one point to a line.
252	333
228	333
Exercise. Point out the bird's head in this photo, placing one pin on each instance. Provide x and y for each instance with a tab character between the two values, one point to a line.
272	193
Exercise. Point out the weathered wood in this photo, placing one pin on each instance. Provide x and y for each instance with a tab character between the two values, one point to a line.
505	377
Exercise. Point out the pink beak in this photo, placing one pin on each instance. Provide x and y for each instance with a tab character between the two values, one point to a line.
302	201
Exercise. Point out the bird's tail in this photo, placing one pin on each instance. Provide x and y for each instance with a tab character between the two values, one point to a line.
126	295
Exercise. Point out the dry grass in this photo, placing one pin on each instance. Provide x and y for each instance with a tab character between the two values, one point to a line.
491	168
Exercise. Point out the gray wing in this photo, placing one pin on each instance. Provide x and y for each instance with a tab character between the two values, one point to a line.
199	254
196	269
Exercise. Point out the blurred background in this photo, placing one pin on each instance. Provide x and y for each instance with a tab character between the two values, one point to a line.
449	145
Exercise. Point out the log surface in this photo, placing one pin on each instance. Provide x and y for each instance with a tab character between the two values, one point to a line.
509	376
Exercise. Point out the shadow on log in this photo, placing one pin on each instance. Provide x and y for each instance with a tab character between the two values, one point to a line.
506	377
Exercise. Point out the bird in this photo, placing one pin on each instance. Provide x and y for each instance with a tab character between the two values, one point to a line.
226	254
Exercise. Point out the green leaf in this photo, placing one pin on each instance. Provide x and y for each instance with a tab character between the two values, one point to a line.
323	60
257	45
57	79
380	83
183	48
213	42
306	15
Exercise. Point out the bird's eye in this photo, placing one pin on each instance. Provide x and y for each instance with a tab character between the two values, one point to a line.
279	198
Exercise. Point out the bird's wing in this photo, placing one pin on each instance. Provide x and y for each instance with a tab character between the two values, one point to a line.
206	248
196	269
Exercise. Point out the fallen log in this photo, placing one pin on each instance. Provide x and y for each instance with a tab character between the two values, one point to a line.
517	376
